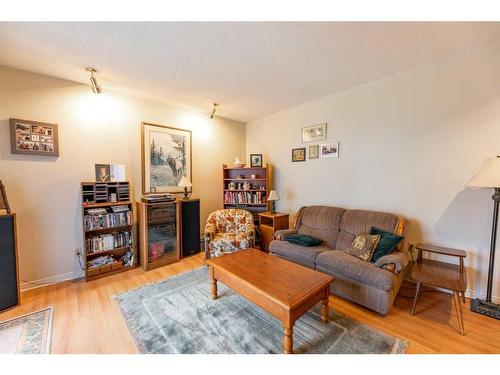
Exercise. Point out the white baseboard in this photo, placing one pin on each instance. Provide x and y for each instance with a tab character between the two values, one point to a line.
474	294
27	285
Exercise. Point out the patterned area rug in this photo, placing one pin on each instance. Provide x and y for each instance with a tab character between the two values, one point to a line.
27	334
177	315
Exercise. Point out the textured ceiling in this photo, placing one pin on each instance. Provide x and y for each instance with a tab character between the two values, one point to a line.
251	69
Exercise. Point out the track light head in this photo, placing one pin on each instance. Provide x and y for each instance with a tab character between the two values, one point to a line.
93	82
213	110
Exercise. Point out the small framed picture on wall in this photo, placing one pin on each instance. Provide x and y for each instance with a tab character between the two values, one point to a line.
330	150
314	152
314	133
255	160
298	154
33	138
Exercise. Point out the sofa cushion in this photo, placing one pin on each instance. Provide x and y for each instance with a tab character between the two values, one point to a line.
356	222
322	222
386	245
296	253
337	262
363	246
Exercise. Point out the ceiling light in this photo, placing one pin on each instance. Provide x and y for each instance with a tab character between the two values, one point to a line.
213	111
95	86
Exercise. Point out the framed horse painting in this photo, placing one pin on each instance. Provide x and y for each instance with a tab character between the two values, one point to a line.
166	157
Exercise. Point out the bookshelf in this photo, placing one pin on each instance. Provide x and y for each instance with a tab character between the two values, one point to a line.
247	188
108	222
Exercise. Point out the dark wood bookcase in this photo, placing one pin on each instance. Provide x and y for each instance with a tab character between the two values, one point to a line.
120	226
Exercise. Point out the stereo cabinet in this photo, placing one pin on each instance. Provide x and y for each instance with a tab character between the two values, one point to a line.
159	233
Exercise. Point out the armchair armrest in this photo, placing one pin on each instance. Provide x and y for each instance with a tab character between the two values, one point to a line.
282	233
251	237
208	236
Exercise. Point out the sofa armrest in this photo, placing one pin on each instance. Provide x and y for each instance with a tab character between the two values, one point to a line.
282	233
394	262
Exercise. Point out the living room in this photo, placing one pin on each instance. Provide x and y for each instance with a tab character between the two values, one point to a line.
250	187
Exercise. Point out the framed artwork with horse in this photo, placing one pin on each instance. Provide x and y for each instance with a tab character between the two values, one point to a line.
166	157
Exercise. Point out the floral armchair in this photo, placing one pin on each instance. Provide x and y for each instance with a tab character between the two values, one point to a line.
228	231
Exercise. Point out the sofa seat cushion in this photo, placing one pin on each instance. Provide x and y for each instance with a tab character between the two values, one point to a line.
305	256
337	262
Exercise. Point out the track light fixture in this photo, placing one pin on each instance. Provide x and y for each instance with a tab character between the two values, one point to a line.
95	86
213	110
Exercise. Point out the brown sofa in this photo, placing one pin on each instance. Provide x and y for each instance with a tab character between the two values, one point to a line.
362	282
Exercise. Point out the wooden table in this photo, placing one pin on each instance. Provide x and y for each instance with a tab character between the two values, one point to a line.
268	224
284	289
441	275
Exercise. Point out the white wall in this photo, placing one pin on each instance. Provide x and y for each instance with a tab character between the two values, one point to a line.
45	191
409	143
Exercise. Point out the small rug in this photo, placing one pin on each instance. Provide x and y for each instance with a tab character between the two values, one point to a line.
177	315
27	334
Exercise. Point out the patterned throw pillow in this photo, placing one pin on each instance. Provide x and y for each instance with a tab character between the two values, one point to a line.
363	246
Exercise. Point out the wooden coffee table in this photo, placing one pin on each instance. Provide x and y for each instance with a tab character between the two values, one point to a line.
284	289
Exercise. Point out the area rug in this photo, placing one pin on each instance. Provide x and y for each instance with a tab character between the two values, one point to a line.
177	315
27	334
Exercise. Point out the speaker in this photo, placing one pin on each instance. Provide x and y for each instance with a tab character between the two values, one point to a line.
190	226
9	279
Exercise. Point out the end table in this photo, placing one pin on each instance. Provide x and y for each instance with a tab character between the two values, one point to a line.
270	223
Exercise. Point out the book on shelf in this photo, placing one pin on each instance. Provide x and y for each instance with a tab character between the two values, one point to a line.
126	260
110	241
245	197
120	208
102	218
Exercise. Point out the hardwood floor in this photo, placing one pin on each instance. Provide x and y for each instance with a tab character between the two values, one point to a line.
87	320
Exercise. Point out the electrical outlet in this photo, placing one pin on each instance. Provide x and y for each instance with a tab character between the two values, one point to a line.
78	252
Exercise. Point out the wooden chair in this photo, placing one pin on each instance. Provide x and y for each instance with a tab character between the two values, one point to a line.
441	275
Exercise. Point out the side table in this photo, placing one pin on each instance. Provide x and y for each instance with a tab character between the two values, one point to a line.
268	224
441	275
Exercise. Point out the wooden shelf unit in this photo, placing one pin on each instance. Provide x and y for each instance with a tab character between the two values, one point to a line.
262	183
91	201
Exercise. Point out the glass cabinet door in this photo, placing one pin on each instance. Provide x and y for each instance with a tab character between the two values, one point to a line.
162	233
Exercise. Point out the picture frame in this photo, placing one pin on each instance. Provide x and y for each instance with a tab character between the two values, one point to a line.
330	150
166	156
298	154
314	152
313	133
255	160
33	137
102	173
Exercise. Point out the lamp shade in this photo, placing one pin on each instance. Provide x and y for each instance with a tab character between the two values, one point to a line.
273	196
184	182
488	176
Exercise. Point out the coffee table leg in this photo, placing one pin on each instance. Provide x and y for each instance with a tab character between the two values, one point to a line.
213	280
288	340
325	311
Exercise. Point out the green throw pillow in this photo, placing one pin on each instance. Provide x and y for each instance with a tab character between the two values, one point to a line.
303	240
386	245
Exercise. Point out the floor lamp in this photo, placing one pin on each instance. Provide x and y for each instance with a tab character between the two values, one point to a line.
489	177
